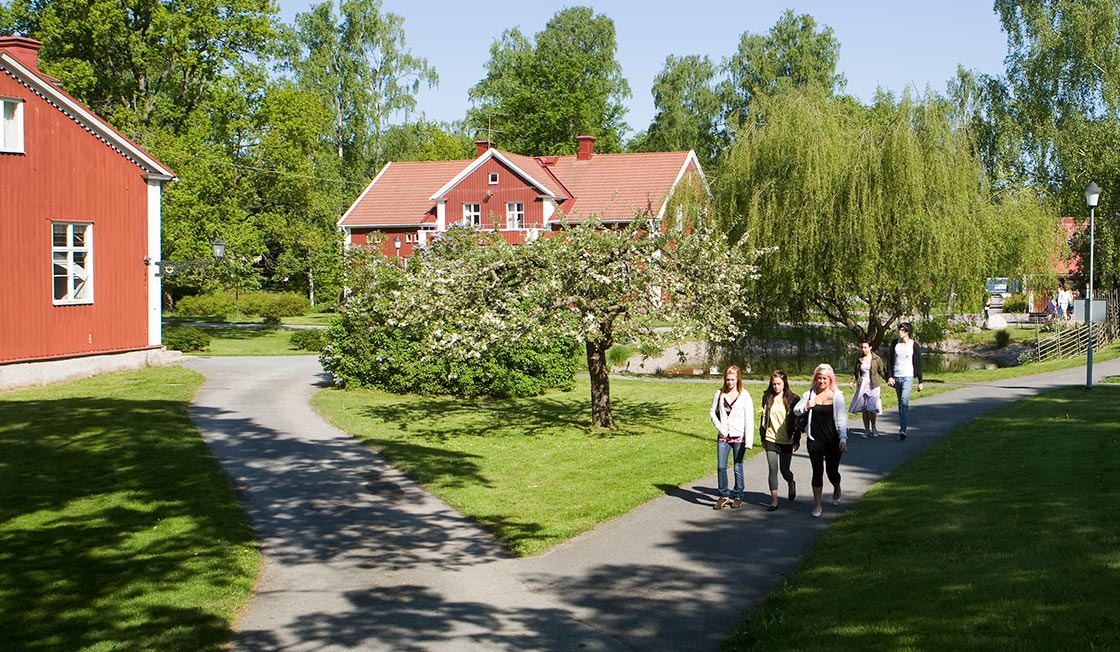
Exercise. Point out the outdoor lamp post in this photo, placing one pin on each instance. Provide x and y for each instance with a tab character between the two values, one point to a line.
1092	196
218	248
397	244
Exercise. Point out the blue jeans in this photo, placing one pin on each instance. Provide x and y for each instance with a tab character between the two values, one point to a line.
902	387
725	450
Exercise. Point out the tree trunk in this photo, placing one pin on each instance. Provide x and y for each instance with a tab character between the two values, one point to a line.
600	382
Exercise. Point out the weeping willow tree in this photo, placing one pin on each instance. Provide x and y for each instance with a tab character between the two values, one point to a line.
871	213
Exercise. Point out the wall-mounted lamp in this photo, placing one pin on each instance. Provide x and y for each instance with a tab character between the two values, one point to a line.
169	267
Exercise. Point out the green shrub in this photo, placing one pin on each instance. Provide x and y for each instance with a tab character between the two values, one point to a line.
307	339
1015	303
1003	338
618	354
932	331
206	305
186	338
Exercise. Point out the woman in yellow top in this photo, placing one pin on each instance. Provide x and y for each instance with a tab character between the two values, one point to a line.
779	436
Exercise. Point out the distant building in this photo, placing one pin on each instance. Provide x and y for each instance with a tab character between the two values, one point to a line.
79	218
520	197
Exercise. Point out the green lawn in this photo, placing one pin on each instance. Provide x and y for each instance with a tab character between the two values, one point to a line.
1003	536
118	529
234	341
531	470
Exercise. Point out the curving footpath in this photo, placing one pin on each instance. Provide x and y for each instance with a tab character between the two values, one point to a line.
356	557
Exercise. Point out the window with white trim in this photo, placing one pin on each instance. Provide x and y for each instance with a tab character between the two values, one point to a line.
11	125
515	215
472	214
493	178
72	262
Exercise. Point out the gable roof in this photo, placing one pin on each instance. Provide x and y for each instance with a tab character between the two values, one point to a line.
401	194
616	187
611	187
47	89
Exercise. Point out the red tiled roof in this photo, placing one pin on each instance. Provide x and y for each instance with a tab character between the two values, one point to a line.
399	194
612	187
618	186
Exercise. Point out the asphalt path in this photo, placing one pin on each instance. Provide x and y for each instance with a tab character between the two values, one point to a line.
357	557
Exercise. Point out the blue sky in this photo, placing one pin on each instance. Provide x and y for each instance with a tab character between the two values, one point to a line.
887	44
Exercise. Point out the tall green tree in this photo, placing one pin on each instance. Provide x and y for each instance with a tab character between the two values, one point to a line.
145	64
1063	91
794	53
359	63
539	95
687	110
871	214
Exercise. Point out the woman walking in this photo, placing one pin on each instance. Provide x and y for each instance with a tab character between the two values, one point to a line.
779	436
867	372
905	365
826	432
732	414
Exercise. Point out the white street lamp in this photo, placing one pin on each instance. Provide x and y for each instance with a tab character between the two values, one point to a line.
1092	196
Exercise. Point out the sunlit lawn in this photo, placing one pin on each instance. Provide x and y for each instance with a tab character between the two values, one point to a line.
1003	536
531	469
118	529
235	341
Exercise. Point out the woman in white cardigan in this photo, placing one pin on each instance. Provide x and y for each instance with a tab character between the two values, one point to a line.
826	433
732	414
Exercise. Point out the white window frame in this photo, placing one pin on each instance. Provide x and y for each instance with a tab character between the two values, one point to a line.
515	215
11	125
72	261
472	214
493	179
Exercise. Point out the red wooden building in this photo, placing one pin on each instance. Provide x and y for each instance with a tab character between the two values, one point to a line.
520	197
79	219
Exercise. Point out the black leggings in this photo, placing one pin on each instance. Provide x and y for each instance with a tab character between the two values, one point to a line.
825	457
778	456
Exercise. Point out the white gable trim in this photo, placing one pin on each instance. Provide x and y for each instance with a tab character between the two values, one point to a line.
691	158
475	164
362	196
81	115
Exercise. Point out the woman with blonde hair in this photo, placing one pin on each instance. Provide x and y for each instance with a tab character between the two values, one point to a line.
732	414
826	431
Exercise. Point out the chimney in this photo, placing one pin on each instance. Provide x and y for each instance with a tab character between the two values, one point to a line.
24	50
586	148
482	146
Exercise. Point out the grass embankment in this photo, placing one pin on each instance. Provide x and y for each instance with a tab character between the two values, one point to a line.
239	341
118	529
1003	536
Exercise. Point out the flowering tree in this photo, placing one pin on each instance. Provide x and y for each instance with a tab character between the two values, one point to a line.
472	300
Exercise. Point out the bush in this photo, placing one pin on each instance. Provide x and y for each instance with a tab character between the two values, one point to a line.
932	331
1003	338
269	305
206	305
186	338
307	339
1015	303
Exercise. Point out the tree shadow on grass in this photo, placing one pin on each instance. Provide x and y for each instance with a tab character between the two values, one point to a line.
116	524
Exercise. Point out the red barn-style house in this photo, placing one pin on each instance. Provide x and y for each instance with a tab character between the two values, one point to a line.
520	197
79	217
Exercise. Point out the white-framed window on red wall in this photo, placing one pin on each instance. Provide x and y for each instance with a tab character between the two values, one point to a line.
515	215
72	262
11	125
472	214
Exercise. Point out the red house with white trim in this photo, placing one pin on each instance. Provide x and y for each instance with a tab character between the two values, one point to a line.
520	197
79	220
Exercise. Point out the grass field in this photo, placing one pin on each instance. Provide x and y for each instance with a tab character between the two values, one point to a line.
1003	536
118	529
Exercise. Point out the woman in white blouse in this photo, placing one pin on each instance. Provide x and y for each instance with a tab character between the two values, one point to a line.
732	414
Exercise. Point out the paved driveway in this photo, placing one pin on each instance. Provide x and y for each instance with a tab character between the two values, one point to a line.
359	558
